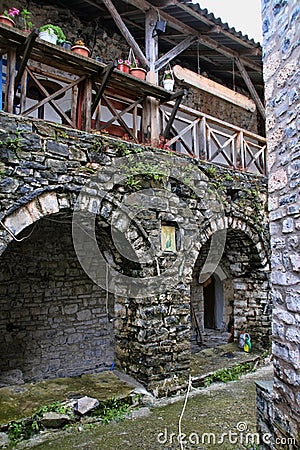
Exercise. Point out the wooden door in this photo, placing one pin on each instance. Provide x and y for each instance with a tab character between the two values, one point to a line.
209	303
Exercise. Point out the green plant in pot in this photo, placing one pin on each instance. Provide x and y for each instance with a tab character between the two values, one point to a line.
168	80
27	24
135	68
52	33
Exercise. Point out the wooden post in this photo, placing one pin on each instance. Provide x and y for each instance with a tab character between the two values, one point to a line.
87	105
251	87
151	45
10	81
23	92
151	105
202	131
240	159
74	105
134	121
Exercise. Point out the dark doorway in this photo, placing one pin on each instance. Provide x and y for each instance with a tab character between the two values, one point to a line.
209	303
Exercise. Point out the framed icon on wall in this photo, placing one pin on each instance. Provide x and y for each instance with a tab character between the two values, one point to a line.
168	241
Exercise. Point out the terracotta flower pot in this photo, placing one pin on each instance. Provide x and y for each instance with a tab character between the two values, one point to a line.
123	68
81	50
138	72
7	21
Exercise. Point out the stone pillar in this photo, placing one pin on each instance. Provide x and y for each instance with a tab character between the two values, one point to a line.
281	21
153	340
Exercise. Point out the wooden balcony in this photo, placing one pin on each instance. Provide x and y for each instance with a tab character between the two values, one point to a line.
46	82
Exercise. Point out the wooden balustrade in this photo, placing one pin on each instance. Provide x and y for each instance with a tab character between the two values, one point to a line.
47	82
205	137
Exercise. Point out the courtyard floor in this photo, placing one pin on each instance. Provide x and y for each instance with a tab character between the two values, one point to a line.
217	409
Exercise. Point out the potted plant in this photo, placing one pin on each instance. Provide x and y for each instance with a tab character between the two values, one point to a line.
52	33
137	71
80	48
124	66
27	24
67	45
7	17
168	80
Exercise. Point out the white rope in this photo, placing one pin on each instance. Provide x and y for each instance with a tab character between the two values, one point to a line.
107	295
198	58
233	75
182	412
14	237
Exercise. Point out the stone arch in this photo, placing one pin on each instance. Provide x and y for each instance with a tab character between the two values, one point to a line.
40	206
246	285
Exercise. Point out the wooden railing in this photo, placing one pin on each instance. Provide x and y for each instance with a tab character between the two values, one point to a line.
205	137
43	81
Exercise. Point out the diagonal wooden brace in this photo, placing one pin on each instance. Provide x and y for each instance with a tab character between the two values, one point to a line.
107	74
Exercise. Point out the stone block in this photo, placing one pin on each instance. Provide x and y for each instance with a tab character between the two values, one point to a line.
85	404
54	420
18	220
57	148
48	203
84	315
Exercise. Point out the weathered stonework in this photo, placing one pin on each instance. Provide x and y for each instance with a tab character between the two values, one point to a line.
44	168
281	20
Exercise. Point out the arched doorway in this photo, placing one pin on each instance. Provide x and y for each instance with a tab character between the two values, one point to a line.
55	321
237	293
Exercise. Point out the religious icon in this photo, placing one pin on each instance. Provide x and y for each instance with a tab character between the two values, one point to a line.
168	243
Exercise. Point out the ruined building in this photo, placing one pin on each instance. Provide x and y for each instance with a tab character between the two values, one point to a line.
132	216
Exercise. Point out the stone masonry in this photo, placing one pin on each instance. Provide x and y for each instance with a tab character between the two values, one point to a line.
281	21
67	324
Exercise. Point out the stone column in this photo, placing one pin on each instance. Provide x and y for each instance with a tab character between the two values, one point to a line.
281	21
153	340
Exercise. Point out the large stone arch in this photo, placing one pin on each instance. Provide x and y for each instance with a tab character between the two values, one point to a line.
55	321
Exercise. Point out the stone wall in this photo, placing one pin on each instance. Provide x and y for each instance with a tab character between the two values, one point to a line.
110	46
281	20
217	107
265	413
43	169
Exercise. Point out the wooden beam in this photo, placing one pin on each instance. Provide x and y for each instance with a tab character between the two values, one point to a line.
26	50
161	62
108	71
187	30
173	115
177	94
124	111
215	28
251	88
126	33
216	89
